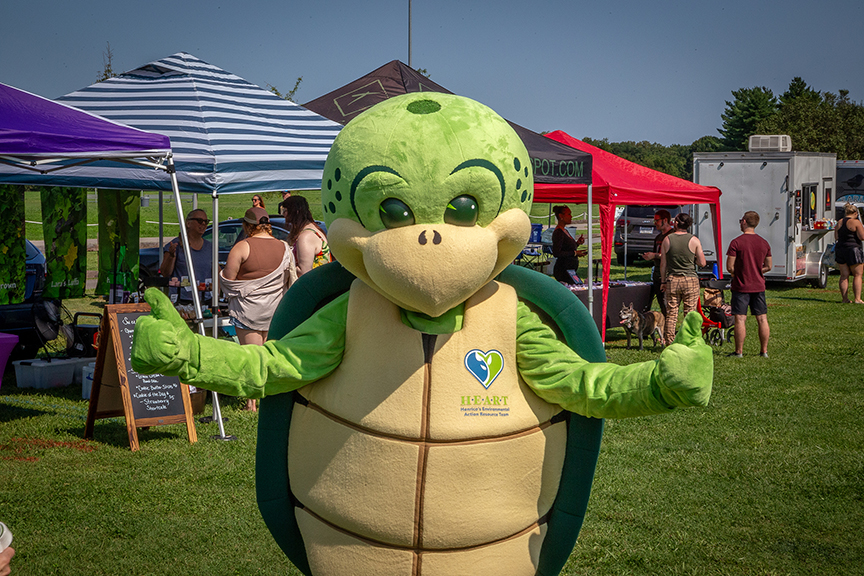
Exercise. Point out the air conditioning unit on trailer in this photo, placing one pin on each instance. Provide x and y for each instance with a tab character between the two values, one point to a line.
770	143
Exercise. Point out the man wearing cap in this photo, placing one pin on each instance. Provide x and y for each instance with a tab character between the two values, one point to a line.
174	260
663	223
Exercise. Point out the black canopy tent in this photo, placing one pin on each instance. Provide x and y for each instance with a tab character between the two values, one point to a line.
554	163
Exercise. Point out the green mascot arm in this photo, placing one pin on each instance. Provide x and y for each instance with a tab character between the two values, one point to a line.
681	377
163	343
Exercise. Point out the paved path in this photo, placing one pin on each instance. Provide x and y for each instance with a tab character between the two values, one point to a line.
93	244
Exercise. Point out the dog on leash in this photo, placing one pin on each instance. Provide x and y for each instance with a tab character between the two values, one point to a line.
642	324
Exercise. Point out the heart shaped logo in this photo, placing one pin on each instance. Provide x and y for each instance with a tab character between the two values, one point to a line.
484	366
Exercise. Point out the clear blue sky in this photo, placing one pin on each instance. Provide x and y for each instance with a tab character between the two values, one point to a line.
623	70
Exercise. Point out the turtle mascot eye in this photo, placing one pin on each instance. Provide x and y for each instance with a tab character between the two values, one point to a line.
428	408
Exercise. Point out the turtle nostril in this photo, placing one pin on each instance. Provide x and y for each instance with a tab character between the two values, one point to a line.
436	239
422	239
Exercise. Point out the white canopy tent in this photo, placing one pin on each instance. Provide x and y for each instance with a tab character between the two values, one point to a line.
229	136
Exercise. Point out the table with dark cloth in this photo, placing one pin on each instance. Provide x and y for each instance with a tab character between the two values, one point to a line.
620	294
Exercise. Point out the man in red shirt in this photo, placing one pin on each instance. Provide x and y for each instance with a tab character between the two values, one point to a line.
747	260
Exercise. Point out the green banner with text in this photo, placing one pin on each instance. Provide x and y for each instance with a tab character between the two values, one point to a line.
64	227
13	254
119	231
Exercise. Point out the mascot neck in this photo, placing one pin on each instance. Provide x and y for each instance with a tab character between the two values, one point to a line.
447	323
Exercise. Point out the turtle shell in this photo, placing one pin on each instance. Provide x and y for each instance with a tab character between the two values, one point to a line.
558	307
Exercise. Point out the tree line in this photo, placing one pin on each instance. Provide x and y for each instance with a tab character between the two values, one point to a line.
816	122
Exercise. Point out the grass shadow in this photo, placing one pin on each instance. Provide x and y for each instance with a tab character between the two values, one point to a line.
9	413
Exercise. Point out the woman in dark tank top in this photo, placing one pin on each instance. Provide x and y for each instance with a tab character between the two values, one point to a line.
681	253
848	253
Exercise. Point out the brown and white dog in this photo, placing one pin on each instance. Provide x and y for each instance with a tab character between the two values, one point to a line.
642	324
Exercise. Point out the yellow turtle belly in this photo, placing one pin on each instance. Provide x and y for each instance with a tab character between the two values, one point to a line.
408	460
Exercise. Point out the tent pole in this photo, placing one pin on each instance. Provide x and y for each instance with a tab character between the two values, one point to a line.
196	298
215	253
217	409
590	252
410	65
626	224
187	250
161	228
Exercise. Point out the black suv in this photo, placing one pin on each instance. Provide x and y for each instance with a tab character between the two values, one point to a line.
18	319
641	232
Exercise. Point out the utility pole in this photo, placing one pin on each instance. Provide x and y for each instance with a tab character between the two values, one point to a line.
409	35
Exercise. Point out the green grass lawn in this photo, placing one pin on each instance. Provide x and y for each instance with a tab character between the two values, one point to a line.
767	480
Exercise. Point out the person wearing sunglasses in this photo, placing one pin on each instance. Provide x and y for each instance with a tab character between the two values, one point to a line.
174	264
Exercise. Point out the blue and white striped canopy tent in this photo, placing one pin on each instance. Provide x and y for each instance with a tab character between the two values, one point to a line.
227	135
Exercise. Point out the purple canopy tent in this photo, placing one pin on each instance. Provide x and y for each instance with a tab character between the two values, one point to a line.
39	137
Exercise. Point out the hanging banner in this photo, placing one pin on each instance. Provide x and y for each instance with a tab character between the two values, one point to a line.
119	231
13	253
64	227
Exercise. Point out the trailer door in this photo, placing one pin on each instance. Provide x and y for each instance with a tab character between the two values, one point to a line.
748	184
776	222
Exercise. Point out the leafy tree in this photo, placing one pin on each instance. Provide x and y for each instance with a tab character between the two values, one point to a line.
820	122
706	144
751	106
669	159
798	88
288	95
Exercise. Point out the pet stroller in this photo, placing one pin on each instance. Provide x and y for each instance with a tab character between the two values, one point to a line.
718	324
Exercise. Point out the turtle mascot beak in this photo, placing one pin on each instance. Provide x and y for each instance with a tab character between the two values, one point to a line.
427	231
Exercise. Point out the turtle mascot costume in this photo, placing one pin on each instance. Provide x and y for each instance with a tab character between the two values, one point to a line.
430	409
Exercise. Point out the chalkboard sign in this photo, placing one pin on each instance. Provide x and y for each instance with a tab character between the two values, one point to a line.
144	400
153	395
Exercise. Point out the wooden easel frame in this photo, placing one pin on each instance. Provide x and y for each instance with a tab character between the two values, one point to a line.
110	395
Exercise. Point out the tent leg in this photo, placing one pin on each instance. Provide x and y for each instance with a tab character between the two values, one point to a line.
217	411
590	251
196	298
161	227
625	242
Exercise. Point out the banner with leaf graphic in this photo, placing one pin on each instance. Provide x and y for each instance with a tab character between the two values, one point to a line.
119	229
13	253
64	226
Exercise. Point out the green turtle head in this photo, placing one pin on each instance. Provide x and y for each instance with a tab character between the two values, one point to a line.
426	197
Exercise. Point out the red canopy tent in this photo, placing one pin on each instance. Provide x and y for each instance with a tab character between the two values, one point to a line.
617	181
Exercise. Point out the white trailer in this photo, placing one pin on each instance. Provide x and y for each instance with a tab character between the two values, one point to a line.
792	192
